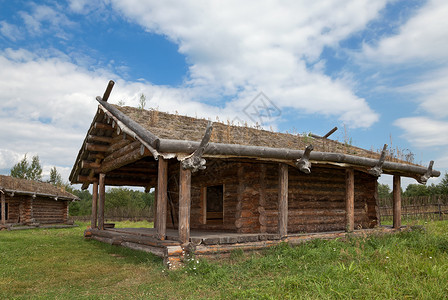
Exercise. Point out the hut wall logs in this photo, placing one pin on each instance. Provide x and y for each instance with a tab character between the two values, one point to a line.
47	211
28	210
316	201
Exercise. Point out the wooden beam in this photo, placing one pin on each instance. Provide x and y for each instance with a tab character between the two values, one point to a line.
162	197
283	199
349	200
3	208
96	147
119	145
128	158
101	201
235	150
195	162
184	204
396	191
330	133
108	90
133	126
85	164
103	126
122	150
94	205
96	138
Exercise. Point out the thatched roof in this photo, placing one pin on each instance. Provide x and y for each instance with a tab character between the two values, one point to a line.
30	187
177	127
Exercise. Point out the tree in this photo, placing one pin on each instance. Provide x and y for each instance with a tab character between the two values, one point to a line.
413	190
384	191
55	177
23	169
443	185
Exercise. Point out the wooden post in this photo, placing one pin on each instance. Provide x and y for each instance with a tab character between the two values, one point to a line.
397	201
283	199
184	204
94	205
3	208
349	200
101	201
162	185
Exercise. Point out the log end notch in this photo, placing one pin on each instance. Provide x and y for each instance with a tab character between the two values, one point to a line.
304	164
195	162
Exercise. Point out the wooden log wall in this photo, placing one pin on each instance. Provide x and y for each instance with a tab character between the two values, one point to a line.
316	201
48	211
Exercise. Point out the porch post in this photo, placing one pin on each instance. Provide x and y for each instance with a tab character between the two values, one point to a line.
94	205
349	200
184	204
101	200
283	199
3	207
397	202
162	185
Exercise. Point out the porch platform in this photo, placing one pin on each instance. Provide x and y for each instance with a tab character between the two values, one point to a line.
206	243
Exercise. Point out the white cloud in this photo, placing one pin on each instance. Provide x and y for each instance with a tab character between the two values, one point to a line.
421	39
423	131
46	19
10	31
240	48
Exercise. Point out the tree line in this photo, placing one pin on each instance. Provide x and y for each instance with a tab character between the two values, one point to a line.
415	190
119	200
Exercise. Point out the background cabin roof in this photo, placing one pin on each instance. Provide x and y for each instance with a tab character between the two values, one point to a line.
21	186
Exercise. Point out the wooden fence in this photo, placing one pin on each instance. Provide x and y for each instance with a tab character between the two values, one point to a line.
433	207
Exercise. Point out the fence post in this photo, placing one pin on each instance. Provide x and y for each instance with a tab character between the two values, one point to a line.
439	207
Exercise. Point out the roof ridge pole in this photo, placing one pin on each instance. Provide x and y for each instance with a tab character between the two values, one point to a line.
195	162
304	163
377	170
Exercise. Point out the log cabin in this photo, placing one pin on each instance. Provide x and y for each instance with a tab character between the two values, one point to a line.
220	187
28	203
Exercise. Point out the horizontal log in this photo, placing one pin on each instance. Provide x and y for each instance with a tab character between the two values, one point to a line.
96	147
96	138
103	126
235	150
90	164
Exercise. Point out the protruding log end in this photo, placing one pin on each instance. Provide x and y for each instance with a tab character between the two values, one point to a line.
303	164
428	174
377	170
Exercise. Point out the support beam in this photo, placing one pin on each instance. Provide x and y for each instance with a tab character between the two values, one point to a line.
283	199
3	207
94	205
101	201
126	159
349	200
397	201
162	196
184	204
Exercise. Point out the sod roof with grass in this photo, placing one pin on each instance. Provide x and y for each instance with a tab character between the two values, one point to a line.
31	187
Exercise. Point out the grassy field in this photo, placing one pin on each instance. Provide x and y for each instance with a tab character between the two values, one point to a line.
59	263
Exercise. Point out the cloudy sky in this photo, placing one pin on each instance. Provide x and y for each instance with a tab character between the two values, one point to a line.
377	69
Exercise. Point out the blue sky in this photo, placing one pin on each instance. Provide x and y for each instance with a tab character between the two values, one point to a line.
376	69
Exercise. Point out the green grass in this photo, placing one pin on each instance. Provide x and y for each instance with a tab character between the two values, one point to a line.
59	263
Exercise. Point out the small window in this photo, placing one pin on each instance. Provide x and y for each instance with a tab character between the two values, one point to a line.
215	197
6	211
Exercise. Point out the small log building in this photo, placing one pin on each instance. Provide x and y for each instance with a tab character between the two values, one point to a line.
219	187
32	203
